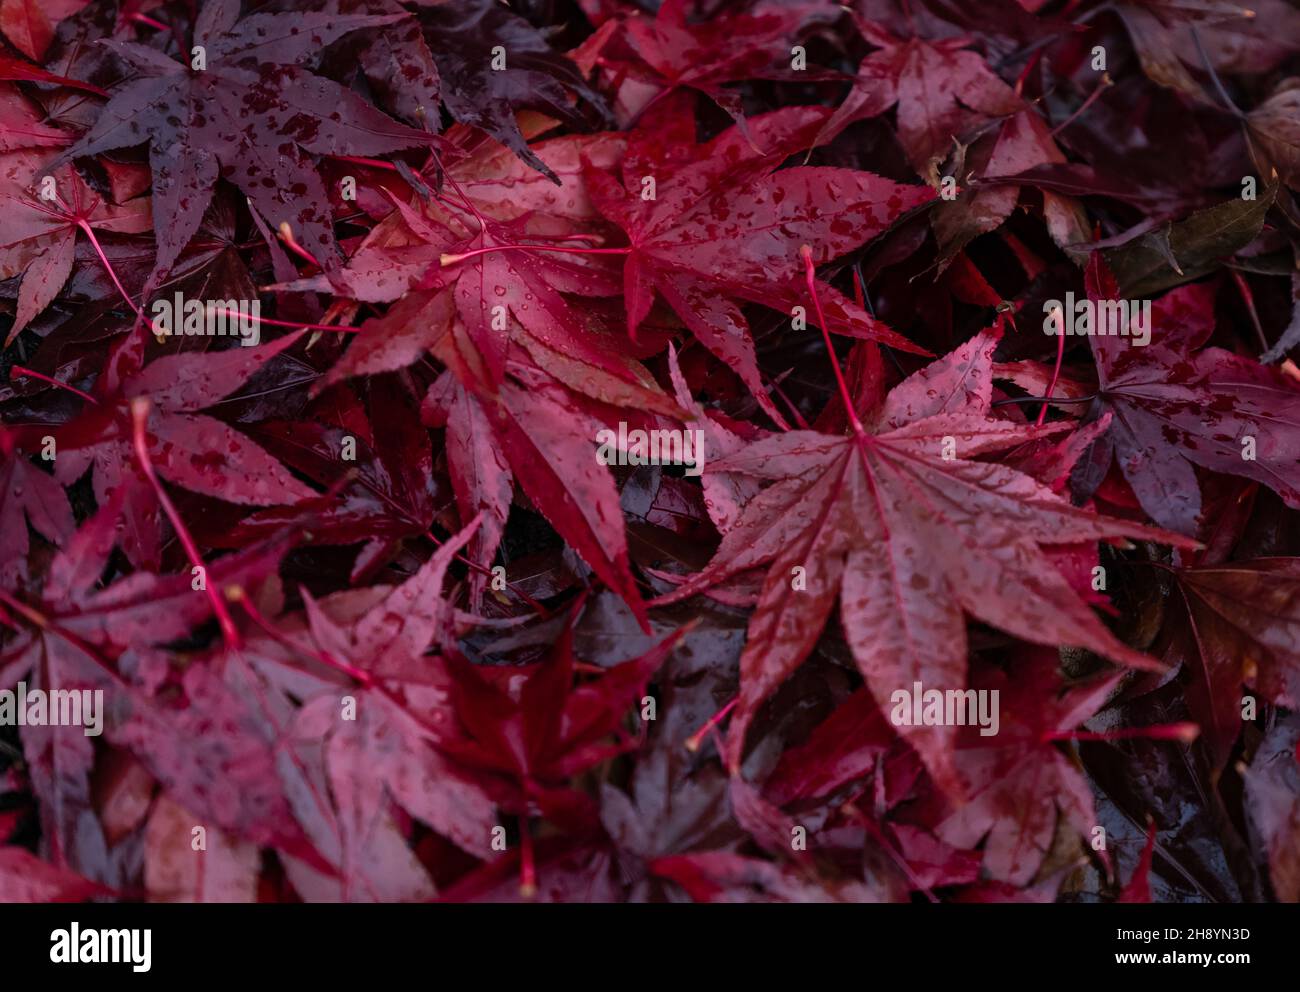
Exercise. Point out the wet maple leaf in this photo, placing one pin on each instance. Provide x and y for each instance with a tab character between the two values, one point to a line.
668	52
1172	37
189	448
1242	628
493	312
28	495
944	93
21	125
498	433
502	186
30	24
911	540
1018	781
1023	142
1273	795
504	286
252	115
390	745
26	878
722	225
395	60
1274	128
81	637
40	235
463	38
1176	406
532	731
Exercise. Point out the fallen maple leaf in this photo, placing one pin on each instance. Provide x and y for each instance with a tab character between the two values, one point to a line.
723	221
41	230
1176	406
483	86
911	538
1242	627
251	113
1017	781
943	91
1273	795
534	731
193	450
667	52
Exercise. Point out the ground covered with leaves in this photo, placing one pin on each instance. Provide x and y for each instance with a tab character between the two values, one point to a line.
381	600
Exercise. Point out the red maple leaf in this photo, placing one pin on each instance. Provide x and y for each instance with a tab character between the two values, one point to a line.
911	532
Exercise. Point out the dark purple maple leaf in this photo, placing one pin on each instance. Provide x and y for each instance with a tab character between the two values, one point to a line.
492	63
1177	404
252	115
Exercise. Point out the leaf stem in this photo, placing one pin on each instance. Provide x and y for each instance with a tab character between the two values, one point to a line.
810	278
693	742
1059	318
286	235
1248	298
1046	399
469	204
284	323
454	259
527	863
1214	76
90	233
30	374
1106	82
145	19
1184	733
795	415
139	416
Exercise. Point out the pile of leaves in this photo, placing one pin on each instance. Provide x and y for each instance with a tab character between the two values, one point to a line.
373	619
